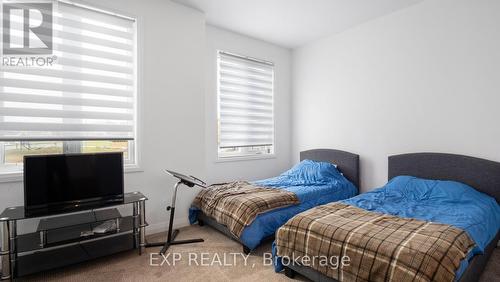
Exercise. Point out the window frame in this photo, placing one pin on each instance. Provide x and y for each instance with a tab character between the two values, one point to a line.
243	157
16	175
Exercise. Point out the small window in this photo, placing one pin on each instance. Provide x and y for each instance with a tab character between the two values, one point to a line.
245	106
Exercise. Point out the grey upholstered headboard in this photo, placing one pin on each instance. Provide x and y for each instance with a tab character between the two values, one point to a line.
481	174
347	163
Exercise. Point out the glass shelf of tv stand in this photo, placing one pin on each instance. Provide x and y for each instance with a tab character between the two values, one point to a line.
67	235
70	228
18	213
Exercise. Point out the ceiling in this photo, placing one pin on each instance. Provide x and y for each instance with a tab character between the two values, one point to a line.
292	23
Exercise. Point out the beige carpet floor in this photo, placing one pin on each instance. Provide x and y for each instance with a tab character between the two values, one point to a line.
129	266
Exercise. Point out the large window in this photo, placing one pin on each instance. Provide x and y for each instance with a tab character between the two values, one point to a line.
86	101
245	106
12	153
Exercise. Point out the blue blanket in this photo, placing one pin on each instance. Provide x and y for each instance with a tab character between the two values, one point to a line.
446	202
314	183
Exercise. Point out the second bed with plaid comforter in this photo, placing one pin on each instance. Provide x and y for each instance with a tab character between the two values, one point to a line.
253	211
237	204
380	247
409	229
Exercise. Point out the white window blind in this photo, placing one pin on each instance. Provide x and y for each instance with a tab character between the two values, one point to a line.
90	91
245	90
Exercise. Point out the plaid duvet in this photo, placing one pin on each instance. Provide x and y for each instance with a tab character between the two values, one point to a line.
380	247
237	204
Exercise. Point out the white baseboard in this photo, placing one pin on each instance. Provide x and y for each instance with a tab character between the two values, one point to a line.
162	227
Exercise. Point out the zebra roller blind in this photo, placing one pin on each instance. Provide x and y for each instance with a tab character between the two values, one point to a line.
245	98
88	93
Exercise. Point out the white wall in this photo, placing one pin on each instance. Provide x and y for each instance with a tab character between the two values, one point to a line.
219	39
177	77
425	78
172	45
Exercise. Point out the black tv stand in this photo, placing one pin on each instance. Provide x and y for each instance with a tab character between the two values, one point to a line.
66	239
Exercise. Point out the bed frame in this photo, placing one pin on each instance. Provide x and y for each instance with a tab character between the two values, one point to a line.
347	163
483	175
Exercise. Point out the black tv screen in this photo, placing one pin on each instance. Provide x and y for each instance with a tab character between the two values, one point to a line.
55	183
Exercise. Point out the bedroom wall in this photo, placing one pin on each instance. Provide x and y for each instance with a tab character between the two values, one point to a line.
177	102
172	40
425	78
217	171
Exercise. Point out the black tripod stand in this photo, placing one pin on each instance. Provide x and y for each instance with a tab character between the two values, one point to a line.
189	181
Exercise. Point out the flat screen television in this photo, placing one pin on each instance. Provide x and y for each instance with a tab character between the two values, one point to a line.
70	182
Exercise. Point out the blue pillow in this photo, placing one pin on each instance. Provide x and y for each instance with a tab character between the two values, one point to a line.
419	189
313	172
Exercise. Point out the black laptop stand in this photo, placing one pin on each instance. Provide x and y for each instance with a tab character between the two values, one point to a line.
189	181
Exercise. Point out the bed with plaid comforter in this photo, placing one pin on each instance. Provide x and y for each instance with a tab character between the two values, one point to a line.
380	247
237	204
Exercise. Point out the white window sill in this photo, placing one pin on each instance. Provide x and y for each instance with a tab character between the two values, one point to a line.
133	168
245	158
17	176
